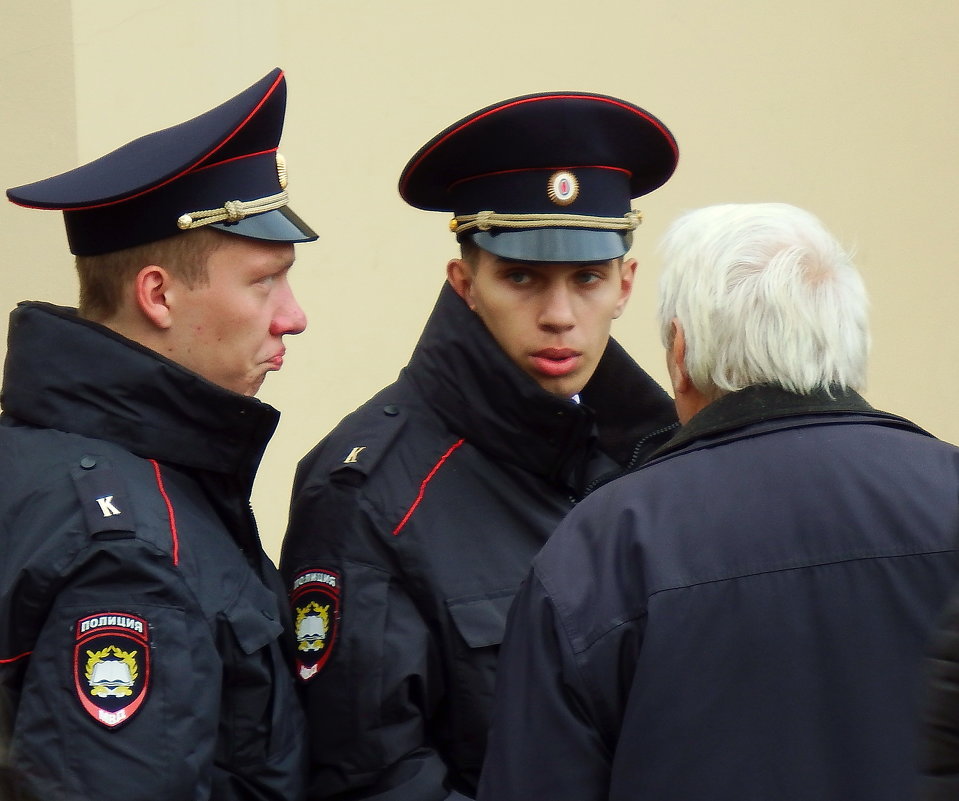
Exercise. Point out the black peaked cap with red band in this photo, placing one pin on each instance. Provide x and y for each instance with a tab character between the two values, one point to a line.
503	158
138	193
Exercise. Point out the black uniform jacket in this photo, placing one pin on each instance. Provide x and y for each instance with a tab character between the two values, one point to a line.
743	618
140	624
413	524
939	746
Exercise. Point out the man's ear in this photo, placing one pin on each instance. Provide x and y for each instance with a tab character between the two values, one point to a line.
676	359
460	276
152	291
689	400
627	274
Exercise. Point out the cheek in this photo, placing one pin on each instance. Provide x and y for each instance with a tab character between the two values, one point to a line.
507	328
216	332
243	319
600	326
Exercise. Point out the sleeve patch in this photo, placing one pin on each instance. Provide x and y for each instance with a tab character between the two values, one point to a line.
111	666
315	599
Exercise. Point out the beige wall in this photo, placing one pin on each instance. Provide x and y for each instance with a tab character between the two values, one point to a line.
849	109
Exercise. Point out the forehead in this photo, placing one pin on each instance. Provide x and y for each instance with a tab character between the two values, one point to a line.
242	252
494	262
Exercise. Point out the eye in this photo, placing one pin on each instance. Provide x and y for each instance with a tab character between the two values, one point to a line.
518	277
268	279
588	277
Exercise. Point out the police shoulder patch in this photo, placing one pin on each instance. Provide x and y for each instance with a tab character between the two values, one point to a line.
104	499
359	449
111	665
315	598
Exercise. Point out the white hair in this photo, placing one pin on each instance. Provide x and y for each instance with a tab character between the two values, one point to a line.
765	295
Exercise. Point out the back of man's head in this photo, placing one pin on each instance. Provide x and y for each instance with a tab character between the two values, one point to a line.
764	295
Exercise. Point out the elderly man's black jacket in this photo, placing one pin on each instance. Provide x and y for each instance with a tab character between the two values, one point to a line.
742	619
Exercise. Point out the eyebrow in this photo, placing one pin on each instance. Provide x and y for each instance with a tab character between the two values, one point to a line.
285	264
500	260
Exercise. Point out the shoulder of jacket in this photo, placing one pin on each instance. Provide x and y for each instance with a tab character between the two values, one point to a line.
353	450
83	489
105	484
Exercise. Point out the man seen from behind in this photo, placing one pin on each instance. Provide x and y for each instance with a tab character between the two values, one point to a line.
743	618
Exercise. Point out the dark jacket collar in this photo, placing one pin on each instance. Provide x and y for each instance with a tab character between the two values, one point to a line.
481	395
72	375
766	403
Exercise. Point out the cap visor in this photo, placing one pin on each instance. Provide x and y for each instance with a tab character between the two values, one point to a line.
553	244
279	225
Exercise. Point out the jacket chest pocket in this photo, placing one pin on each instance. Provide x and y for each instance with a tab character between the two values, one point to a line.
249	630
480	623
481	619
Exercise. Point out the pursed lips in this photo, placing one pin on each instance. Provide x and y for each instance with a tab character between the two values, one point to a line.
556	361
277	360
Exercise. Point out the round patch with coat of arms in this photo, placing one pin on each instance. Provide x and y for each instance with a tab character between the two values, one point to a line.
315	597
111	665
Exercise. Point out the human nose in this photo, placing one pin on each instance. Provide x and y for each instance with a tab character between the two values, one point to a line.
289	318
557	311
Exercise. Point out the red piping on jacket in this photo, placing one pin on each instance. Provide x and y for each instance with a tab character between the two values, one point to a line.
14	658
169	510
426	481
173	532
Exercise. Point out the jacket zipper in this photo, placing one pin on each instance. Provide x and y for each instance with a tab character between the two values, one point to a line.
630	465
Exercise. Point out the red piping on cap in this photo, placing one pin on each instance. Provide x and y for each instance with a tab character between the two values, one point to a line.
180	174
656	123
235	158
628	173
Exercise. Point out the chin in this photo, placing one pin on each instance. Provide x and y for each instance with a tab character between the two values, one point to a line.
562	390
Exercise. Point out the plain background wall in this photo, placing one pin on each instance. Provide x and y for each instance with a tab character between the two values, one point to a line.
849	109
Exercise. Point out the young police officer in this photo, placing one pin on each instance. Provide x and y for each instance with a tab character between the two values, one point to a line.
415	520
140	632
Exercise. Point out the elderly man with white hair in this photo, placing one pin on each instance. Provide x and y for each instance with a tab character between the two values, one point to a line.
745	616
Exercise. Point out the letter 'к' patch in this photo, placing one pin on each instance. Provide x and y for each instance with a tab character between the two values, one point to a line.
315	598
103	497
111	665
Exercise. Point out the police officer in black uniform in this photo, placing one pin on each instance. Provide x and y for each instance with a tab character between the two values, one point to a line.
142	643
415	520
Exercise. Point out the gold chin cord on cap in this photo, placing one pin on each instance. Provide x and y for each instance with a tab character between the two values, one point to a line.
486	220
235	210
232	211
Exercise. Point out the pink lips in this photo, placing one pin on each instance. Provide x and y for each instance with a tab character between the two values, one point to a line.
556	362
277	361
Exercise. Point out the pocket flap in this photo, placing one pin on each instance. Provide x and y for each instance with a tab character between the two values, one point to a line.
481	619
254	617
